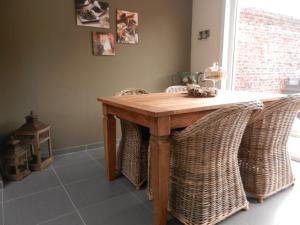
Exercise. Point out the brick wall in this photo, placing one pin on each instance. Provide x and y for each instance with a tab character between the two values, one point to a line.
268	51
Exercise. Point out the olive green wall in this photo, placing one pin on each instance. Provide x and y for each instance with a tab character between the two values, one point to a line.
46	62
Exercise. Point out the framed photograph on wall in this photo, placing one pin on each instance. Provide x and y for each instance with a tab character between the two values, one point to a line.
127	27
92	13
103	44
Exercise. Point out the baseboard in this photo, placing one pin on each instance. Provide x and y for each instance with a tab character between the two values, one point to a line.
72	149
78	148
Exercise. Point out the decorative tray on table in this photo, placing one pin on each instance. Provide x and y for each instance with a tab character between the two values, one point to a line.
201	92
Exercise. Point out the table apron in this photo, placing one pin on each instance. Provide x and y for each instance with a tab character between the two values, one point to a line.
186	119
177	120
130	116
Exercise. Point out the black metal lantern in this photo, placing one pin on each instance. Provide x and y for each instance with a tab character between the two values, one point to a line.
15	161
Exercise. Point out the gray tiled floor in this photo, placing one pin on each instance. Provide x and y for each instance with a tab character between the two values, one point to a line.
74	191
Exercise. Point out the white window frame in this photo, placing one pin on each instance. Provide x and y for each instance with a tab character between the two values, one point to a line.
228	44
231	19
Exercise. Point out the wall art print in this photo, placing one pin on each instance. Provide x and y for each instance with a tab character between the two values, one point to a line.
127	27
103	44
92	13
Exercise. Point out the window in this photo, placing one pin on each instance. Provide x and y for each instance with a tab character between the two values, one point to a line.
263	50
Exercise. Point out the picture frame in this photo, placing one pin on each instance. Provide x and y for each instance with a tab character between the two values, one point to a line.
92	13
103	44
127	27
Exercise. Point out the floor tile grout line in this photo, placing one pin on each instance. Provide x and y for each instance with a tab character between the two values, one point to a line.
70	153
101	202
49	189
85	151
79	146
55	218
139	200
59	167
143	204
27	195
76	209
132	193
124	186
92	149
92	157
129	191
84	179
81	180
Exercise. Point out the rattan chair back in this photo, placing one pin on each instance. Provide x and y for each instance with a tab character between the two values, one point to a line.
176	89
132	91
263	157
205	183
133	147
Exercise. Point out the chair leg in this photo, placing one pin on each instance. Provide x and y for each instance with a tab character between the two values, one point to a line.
260	200
246	208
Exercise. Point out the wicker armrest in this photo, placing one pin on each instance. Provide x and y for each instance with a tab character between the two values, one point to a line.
215	116
281	104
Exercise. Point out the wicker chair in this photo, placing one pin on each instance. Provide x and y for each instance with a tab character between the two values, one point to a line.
205	182
264	161
175	89
133	147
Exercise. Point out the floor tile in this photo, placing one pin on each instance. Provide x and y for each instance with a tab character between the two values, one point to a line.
71	159
37	208
80	171
69	219
143	197
39	199
270	212
35	182
128	184
94	190
98	154
140	194
123	209
287	206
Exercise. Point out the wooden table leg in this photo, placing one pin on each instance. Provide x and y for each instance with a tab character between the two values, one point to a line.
109	124
160	156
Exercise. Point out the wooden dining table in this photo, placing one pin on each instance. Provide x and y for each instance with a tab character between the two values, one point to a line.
162	112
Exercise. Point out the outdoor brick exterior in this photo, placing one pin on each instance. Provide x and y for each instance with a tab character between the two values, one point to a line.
268	51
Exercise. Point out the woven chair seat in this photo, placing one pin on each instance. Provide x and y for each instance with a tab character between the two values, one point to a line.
205	182
263	157
133	147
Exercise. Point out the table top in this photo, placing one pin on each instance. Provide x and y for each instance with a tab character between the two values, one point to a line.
166	104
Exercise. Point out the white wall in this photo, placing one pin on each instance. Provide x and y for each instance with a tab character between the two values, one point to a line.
207	14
